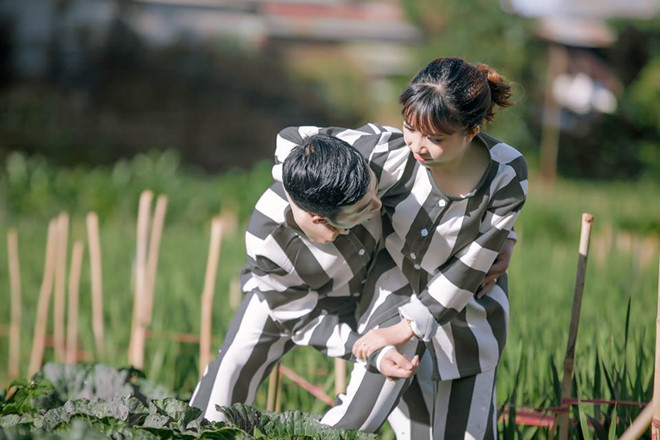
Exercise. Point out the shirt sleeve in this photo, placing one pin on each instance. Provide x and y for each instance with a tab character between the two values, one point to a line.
380	145
298	308
449	291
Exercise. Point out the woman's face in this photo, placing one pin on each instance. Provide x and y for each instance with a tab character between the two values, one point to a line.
438	148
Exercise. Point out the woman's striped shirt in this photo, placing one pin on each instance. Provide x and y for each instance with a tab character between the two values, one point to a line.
442	244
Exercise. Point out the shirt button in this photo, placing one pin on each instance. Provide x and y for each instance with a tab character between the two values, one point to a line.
424	232
412	255
442	203
361	252
417	267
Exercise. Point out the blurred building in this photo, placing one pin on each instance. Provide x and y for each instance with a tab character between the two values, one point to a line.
374	34
192	74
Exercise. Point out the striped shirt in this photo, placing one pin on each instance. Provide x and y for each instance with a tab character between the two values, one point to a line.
301	281
443	245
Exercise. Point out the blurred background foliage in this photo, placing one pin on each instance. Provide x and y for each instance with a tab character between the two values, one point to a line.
218	104
196	121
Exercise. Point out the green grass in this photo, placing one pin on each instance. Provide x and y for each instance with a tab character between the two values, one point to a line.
614	357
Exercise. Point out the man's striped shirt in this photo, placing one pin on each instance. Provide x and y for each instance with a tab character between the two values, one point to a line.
301	281
442	244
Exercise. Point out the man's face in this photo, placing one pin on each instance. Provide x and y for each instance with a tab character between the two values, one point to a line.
359	212
321	230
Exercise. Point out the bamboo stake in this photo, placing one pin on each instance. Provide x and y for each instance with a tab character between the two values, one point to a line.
235	295
15	285
152	260
39	337
655	425
207	294
274	380
641	423
278	395
585	234
60	284
138	329
340	376
312	389
94	244
74	290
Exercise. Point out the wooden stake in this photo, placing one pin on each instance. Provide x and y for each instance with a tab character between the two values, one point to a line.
278	395
340	376
655	425
94	244
274	380
235	295
139	327
557	62
312	389
641	423
39	336
74	290
207	294
154	249
15	285
60	285
585	234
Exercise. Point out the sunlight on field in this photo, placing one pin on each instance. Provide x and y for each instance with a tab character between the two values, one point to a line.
612	361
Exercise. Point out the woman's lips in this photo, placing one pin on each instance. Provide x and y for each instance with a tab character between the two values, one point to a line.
419	158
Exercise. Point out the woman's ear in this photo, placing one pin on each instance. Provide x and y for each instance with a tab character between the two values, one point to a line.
472	133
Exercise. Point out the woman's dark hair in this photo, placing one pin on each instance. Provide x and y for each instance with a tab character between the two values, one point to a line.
324	174
450	94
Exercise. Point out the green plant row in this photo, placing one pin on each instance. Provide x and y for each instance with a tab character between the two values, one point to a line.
96	401
617	316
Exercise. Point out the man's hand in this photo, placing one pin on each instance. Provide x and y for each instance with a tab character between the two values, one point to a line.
396	366
380	337
498	268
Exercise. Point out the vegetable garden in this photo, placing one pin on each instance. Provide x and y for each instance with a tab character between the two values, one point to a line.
98	395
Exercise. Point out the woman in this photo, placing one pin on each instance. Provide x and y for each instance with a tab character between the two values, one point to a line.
451	196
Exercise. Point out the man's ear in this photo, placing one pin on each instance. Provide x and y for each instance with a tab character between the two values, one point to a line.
316	219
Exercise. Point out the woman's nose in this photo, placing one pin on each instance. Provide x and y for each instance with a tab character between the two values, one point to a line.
414	143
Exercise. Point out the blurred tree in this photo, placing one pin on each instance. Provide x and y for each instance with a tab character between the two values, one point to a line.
480	32
6	51
623	145
218	105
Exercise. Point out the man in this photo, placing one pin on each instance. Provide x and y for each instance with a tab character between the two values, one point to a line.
310	243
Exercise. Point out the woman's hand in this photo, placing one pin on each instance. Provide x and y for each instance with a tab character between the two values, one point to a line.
380	337
498	268
396	366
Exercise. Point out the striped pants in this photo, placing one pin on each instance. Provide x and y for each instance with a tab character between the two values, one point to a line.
462	408
254	343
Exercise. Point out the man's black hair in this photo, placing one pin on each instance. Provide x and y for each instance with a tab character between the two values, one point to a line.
324	174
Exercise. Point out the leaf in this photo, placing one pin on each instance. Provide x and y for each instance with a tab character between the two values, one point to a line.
611	435
54	418
11	420
293	423
244	417
220	431
83	430
155	421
